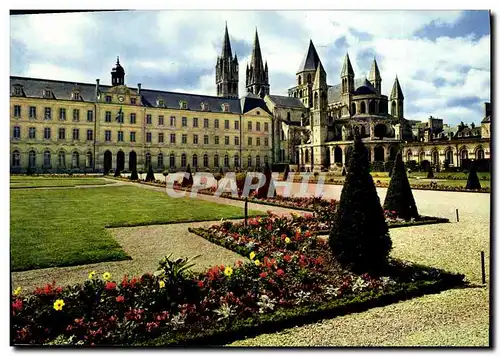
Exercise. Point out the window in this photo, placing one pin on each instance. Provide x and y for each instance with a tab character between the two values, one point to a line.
257	141
76	114
120	136
16	159
236	160
108	98
205	139
257	161
17	133
32	133
205	107
249	125
257	126
249	141
226	161
236	125
17	110
18	90
148	159
216	123
184	122
47	94
160	137
75	160
62	114
172	138
266	141
172	160
90	135
226	124
266	126
184	139
62	133
133	101
61	159
216	160
132	136
90	116
46	159
160	160
46	133
148	137
195	161
107	135
216	140
205	160
160	102
88	159
195	139
108	116
148	119
161	120
205	123
236	140
32	159
76	134
225	107
32	112
226	140
183	160
183	104
48	114
132	118
249	161
172	121
195	122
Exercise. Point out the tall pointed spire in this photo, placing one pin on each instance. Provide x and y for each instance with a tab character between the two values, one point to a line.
396	92
347	67
374	76
311	60
256	61
257	79
226	70
319	77
226	45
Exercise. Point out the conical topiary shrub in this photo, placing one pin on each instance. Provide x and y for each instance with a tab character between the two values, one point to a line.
472	179
262	192
187	181
359	237
133	175
150	177
430	172
399	197
117	172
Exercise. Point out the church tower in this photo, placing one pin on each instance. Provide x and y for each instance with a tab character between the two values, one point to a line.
347	83
397	100
226	70
257	75
305	76
374	77
319	115
117	74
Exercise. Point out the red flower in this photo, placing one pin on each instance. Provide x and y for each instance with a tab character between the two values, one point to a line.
263	275
272	281
283	236
308	233
201	284
239	263
120	299
287	258
110	285
125	281
280	272
17	305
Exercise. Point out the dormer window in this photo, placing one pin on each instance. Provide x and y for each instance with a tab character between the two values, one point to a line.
75	95
160	102
183	104
225	107
18	90
47	93
205	107
108	98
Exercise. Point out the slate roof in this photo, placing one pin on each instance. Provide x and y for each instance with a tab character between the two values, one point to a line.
287	101
366	88
396	92
334	90
251	101
311	59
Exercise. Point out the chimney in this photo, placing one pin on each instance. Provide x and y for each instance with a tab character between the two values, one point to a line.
97	90
138	88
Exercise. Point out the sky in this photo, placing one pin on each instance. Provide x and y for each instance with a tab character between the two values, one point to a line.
442	58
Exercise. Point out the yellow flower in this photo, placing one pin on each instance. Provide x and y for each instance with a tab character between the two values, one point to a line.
298	231
92	274
106	276
287	240
295	215
59	304
257	262
228	271
161	284
252	255
17	290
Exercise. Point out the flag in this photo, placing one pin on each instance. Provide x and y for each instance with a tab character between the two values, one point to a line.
120	115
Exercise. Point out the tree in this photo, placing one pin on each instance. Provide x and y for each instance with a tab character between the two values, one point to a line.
344	172
430	173
359	237
262	192
399	197
187	181
117	172
133	175
472	179
150	177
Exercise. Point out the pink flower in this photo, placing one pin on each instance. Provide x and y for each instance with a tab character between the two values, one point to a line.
110	285
120	299
280	272
263	275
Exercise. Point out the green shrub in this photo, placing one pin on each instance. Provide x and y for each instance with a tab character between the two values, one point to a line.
134	175
430	172
472	179
187	181
150	177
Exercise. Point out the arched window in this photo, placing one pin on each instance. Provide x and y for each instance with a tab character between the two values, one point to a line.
393	109
300	80
32	159
353	109
288	116
172	161
435	157
480	153
464	154
16	159
216	160
362	108
62	159
371	107
409	156
160	160
257	161
75	160
183	160
378	154
449	156
46	159
205	160
226	161
236	161
307	155
195	160
316	100
148	159
362	131
88	159
249	161
309	78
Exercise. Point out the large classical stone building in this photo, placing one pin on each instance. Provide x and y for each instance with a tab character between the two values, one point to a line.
61	125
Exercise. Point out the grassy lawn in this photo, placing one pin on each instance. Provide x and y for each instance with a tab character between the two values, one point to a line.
25	182
66	226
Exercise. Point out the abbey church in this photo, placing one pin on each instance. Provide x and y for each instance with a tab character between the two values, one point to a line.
60	126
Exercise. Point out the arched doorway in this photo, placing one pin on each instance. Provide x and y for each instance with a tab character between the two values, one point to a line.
435	157
480	153
132	160
120	161
337	155
393	151
326	160
449	156
108	160
378	154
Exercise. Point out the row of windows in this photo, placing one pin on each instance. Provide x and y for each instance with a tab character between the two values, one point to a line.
205	160
47	133
47	161
47	114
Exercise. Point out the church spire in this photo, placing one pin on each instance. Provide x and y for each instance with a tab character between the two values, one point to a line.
226	45
374	76
311	60
226	70
396	92
347	67
256	53
257	75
